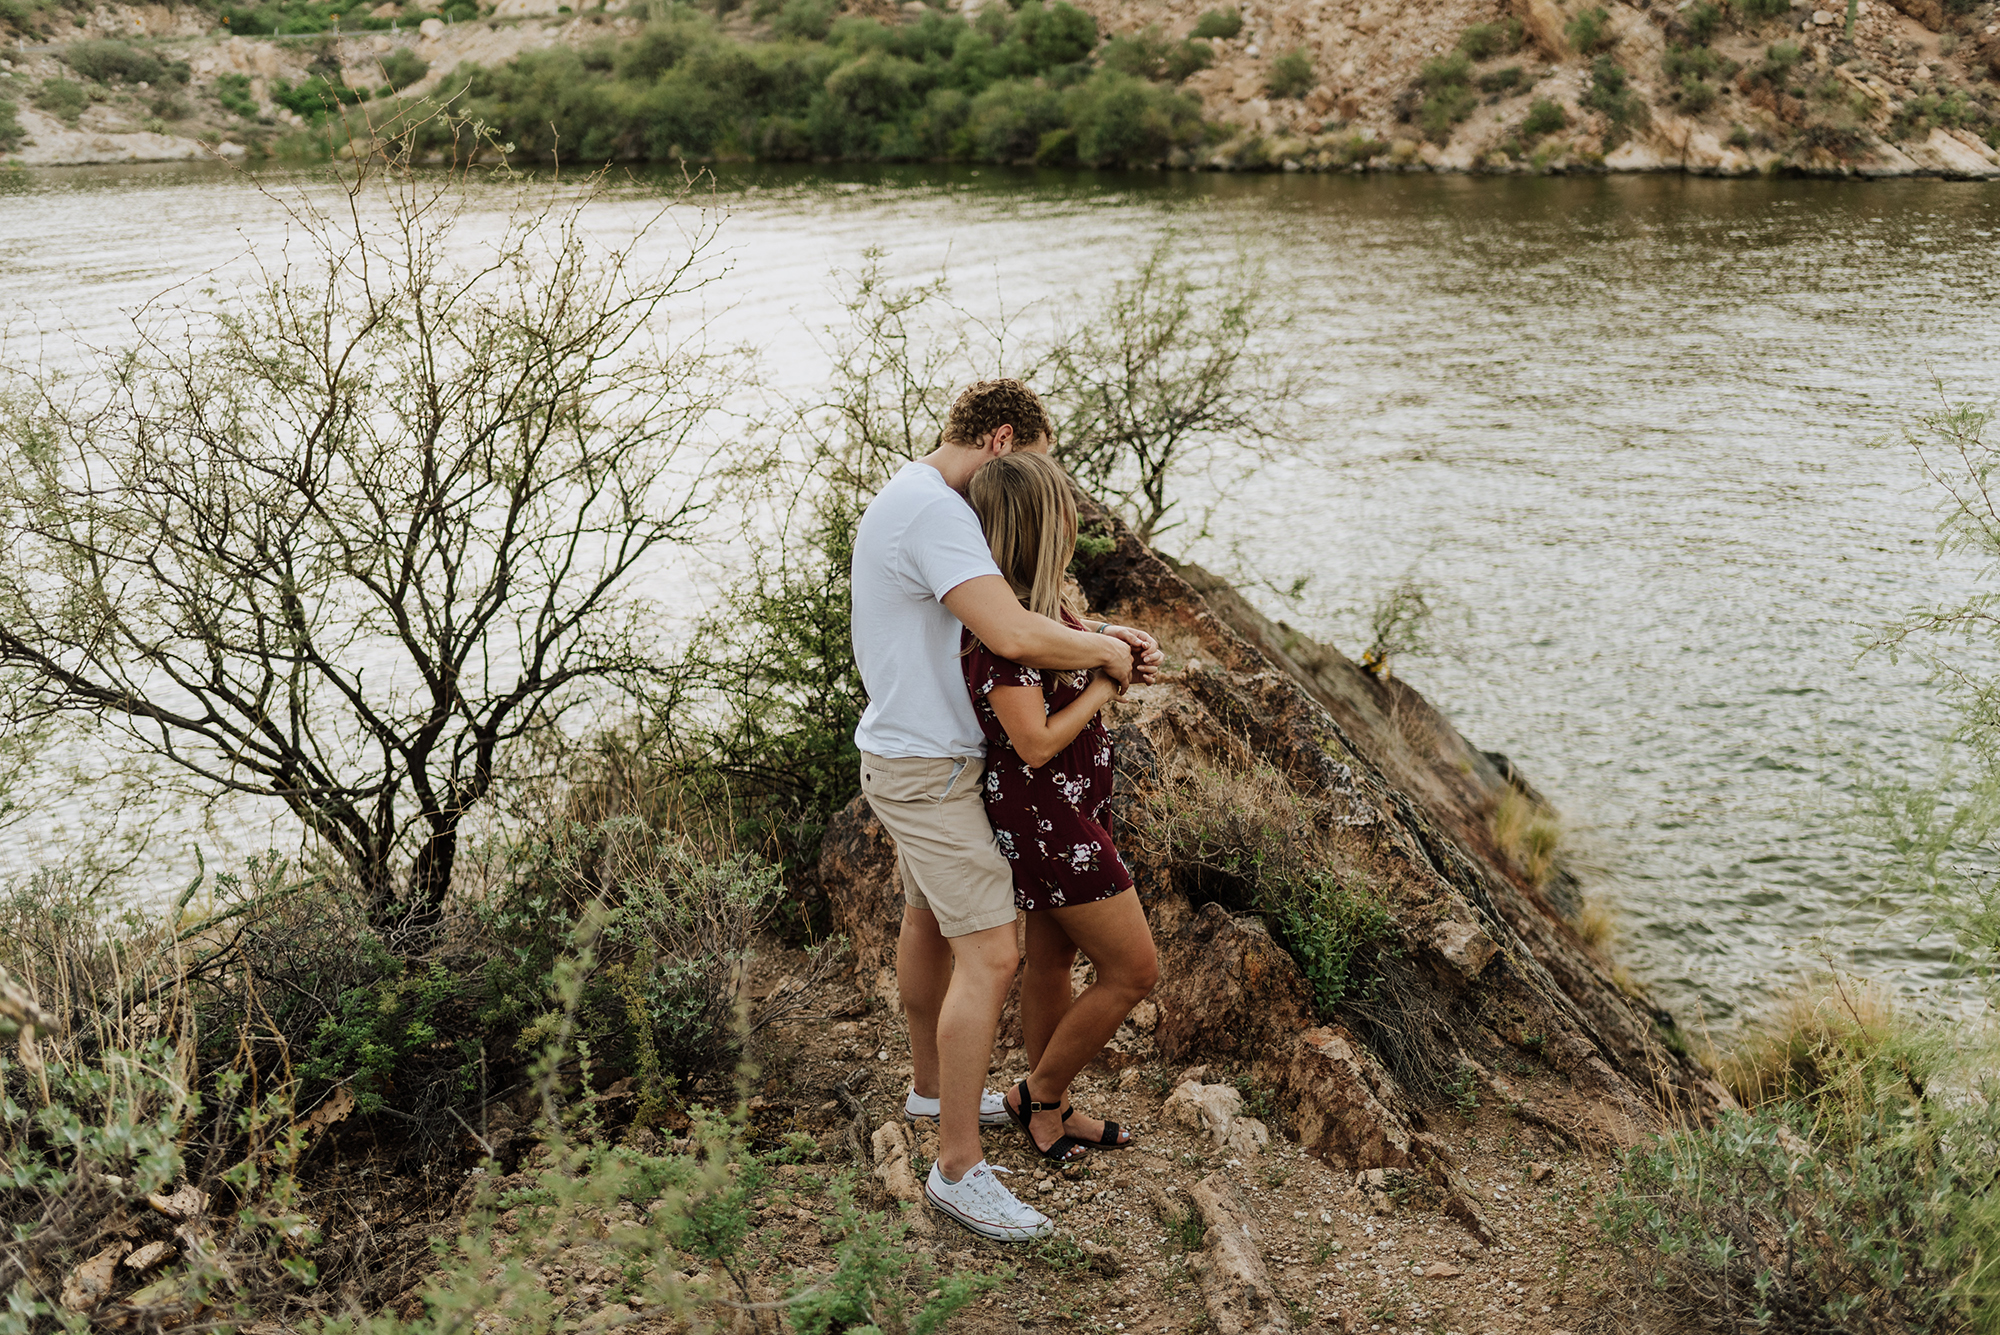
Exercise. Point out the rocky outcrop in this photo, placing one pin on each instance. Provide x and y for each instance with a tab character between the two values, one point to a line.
1374	71
1254	731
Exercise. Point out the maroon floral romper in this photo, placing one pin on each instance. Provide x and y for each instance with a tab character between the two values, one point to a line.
1053	823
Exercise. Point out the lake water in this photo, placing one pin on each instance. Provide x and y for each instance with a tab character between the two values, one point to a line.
1627	429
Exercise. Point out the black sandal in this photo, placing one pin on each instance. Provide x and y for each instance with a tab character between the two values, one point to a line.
1107	1141
1067	1149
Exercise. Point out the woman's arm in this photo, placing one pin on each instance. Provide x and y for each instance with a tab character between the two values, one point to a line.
1039	736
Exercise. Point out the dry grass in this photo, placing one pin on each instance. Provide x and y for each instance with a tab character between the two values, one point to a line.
1597	925
1528	834
1830	1032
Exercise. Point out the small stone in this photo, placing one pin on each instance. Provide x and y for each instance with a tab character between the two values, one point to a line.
1439	1270
1822	19
1540	1172
151	1255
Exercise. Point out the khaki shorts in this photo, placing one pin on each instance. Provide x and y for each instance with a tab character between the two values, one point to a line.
945	852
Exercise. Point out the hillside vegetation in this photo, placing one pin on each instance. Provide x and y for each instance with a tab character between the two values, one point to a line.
1718	86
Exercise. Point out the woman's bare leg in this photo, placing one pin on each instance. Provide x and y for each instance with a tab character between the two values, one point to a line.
1045	983
1114	934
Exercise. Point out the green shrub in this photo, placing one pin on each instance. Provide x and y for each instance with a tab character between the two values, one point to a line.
1450	71
1483	41
1122	122
1590	31
1695	94
1764	10
1187	57
232	91
11	133
1610	93
1327	926
1776	67
1444	109
1544	117
111	61
1681	61
1224	23
1291	75
1702	20
62	98
1919	115
312	97
1502	80
806	20
1061	34
1142	54
1882	1220
403	67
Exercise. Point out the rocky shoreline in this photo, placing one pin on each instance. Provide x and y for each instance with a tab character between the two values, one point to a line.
1863	105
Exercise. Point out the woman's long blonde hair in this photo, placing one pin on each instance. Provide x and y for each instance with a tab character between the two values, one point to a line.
1025	504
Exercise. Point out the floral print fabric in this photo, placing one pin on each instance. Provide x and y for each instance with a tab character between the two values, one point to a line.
1053	824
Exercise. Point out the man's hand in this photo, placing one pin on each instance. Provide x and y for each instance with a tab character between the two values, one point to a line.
991	611
1146	655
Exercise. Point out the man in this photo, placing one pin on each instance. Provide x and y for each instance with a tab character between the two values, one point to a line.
922	571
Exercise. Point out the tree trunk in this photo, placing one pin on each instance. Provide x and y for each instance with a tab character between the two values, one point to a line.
430	875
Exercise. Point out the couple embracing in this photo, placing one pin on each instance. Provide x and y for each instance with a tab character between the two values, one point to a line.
983	756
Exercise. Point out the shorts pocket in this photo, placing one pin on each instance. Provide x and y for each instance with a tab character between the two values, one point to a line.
921	780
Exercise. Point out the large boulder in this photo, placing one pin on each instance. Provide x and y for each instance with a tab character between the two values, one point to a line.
1261	760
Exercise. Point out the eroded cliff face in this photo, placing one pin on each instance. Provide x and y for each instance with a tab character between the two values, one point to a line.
1254	727
1911	91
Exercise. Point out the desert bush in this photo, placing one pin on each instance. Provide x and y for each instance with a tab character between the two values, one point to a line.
1853	1196
1400	623
996	89
1777	64
1679	62
1165	377
402	67
1291	74
11	138
62	98
312	97
1544	117
1483	41
1223	23
423	485
1187	57
232	91
108	60
1502	80
1694	94
1610	93
1760	11
1702	21
806	20
1590	31
1919	115
1141	54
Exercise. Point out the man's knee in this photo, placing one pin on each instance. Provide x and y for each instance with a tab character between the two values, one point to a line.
989	957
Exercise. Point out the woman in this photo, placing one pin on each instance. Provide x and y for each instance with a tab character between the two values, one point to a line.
1048	785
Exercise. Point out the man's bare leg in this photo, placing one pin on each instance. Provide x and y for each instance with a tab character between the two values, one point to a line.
983	966
923	975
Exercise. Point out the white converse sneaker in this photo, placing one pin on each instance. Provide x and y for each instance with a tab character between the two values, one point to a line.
992	1108
982	1204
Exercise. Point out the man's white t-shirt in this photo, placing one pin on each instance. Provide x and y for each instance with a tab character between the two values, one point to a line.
917	542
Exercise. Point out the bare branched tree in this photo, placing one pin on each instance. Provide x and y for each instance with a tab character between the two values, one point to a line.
1166	378
383	517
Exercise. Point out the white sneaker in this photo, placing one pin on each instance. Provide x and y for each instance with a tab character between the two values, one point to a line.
982	1204
992	1108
